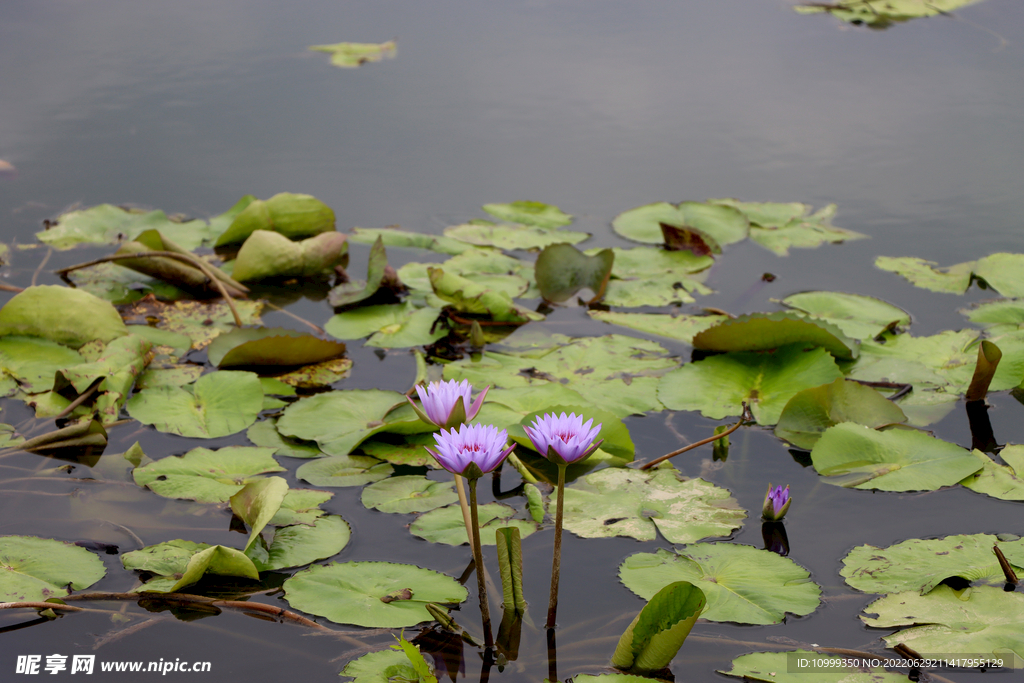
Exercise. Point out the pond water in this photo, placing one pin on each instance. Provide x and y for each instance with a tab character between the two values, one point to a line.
596	106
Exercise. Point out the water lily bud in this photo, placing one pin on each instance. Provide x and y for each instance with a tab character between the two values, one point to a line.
776	503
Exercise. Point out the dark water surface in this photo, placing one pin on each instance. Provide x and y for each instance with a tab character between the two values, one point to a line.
597	106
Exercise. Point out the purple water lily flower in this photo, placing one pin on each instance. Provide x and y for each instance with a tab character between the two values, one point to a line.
448	404
776	503
472	451
564	439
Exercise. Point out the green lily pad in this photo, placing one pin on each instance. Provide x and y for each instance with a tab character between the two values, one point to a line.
858	316
945	359
391	325
265	434
445	525
216	559
164	559
953	280
717	385
678	327
812	411
653	639
121	361
410	452
200	321
488	268
659	289
773	667
353	292
988	623
623	502
61	314
362	593
301	506
511	237
647	262
805	234
270	346
562	270
220	404
204	475
742	584
855	456
30	363
467	296
119	285
340	420
295	546
344	470
723	224
881	15
108	224
256	504
351	55
537	214
295	216
408	493
35	569
998	317
609	678
765	331
614	372
163	341
183	563
921	564
1005	482
267	254
392	237
168	376
384	666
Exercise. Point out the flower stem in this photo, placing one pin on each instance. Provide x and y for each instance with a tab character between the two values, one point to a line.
467	517
556	562
478	559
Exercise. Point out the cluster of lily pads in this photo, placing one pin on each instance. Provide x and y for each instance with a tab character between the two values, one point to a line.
167	331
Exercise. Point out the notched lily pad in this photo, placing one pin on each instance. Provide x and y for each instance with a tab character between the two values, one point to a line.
562	270
470	297
204	475
408	493
1005	482
34	569
270	346
724	224
339	420
351	592
742	584
623	502
298	545
30	363
445	525
344	470
389	325
219	404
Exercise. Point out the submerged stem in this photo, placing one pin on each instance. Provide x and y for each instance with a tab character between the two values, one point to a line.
556	562
478	558
467	517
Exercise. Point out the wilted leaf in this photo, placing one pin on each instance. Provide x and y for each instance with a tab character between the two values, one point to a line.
351	592
293	215
469	297
257	503
270	346
200	321
953	280
181	275
355	291
62	314
812	411
989	356
351	55
268	254
122	286
562	270
1005	482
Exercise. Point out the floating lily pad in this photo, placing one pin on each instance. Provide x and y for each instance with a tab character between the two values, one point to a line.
488	268
30	363
803	234
168	376
408	493
988	623
1005	482
609	678
257	503
724	224
293	215
562	270
654	277
511	237
301	506
120	285
773	667
108	224
953	280
118	365
35	569
267	254
678	327
409	452
295	546
445	525
537	214
344	470
351	55
742	584
392	237
858	316
220	404
339	420
717	385
353	292
265	434
855	456
204	475
765	331
383	666
371	593
391	325
623	502
614	372
998	317
812	411
61	314
184	563
921	564
880	15
164	341
468	296
200	321
270	346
